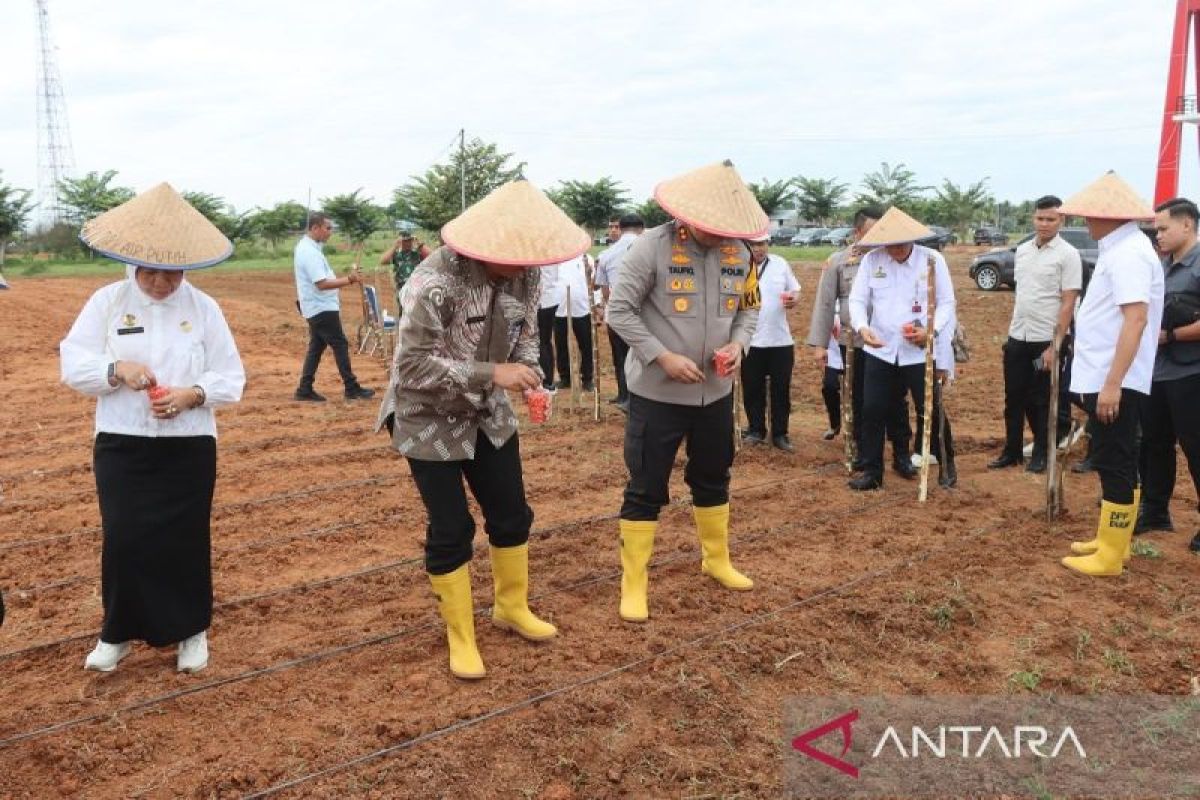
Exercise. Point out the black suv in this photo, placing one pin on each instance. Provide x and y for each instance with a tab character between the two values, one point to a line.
939	238
990	236
994	269
783	235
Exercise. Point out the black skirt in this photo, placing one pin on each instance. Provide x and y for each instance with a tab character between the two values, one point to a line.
155	507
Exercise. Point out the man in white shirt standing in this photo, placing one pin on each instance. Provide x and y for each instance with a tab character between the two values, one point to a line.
1049	275
317	288
608	266
888	308
1116	338
772	348
574	274
547	309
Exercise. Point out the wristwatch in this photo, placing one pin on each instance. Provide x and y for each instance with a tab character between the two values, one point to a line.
112	373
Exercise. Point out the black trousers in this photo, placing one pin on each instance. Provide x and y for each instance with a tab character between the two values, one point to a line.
882	380
582	326
897	425
1114	446
653	433
325	330
1026	396
545	320
156	559
763	364
495	479
1171	413
620	351
831	393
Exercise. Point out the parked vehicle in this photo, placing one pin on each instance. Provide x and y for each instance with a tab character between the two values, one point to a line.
940	237
990	236
808	236
995	268
783	235
838	237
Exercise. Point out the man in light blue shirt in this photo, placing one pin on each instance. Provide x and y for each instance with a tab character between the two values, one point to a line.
608	264
317	288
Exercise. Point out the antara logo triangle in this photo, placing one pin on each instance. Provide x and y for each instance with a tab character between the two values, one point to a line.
803	742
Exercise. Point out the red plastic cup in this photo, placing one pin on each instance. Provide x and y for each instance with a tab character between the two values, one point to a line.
723	362
538	401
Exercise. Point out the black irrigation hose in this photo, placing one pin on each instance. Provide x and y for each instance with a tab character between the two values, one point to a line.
758	619
240	505
381	639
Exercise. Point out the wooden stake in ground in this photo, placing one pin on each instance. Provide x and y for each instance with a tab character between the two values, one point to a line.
572	352
737	414
1053	479
595	323
848	421
927	432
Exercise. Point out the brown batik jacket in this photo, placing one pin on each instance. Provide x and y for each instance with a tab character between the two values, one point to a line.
455	326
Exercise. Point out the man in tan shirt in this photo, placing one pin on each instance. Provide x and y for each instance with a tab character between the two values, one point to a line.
685	301
469	334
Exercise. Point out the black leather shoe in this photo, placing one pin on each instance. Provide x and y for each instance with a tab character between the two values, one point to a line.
830	434
947	474
858	466
1036	465
1006	459
783	443
753	437
309	396
1080	467
904	468
360	393
865	482
1147	522
1195	545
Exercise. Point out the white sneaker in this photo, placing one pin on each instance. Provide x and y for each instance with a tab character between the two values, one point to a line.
193	653
106	656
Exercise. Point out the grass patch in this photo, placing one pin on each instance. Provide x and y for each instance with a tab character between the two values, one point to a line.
1083	640
1118	661
1027	679
1144	549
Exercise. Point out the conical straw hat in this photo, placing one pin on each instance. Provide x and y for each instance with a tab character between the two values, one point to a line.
516	225
157	229
1109	197
716	200
894	227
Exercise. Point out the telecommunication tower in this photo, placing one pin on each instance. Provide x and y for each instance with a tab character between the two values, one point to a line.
55	157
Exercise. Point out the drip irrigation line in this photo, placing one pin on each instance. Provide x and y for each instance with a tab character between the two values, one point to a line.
461	725
332	652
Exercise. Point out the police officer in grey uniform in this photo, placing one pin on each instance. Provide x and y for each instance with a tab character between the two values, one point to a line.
685	301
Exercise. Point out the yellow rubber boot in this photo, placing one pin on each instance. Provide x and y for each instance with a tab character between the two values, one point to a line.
510	572
453	592
712	525
1115	533
637	544
1089	547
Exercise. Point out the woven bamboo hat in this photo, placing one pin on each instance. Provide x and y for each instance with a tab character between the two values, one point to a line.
714	199
1108	197
894	227
157	229
516	225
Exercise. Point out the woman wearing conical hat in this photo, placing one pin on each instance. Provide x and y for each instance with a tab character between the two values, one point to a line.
158	357
685	301
1116	339
888	309
468	335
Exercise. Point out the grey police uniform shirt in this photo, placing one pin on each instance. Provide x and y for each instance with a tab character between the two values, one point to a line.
1179	359
677	296
836	280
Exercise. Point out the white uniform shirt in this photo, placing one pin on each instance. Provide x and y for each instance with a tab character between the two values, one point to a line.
550	288
571	273
1127	271
1042	275
774	278
310	265
896	294
184	340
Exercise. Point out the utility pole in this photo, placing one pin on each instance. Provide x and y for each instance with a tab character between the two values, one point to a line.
462	168
56	159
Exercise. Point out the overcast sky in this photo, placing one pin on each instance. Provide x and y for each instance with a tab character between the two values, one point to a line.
258	100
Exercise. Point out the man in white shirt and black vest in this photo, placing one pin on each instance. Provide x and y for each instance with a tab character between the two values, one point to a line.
1116	336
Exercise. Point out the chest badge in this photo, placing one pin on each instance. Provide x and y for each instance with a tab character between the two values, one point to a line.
676	285
689	285
727	284
679	258
731	304
879	273
682	304
731	261
129	320
185	326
